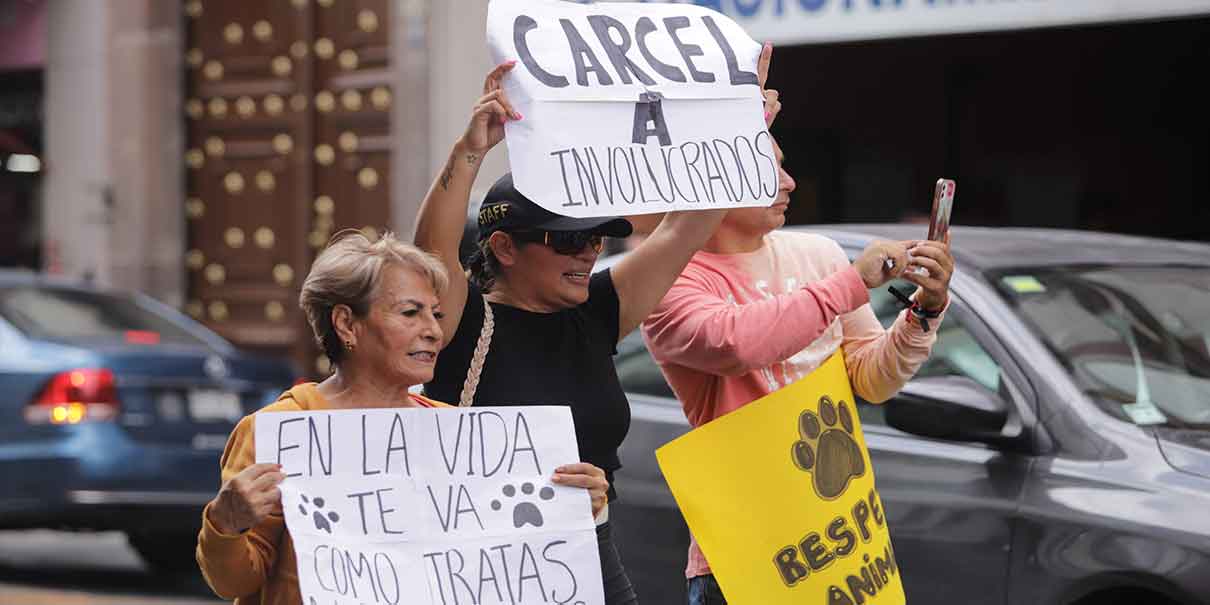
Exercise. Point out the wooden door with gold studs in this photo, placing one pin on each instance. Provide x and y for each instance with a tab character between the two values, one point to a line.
288	105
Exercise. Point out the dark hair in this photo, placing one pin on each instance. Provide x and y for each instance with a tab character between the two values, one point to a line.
482	267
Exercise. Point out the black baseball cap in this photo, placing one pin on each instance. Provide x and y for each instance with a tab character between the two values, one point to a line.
505	209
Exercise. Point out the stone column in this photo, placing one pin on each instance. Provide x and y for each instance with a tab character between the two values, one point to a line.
114	191
410	153
146	151
440	56
77	209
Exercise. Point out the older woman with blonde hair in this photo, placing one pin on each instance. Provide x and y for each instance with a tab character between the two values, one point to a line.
374	307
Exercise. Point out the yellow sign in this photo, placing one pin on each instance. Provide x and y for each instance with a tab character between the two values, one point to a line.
780	496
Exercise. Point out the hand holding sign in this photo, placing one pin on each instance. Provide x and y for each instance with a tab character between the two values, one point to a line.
491	112
772	106
588	477
247	498
772	102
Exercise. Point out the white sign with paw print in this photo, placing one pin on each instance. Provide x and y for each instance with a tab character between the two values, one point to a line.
434	506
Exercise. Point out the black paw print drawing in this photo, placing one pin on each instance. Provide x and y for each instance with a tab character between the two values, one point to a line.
321	520
828	452
525	512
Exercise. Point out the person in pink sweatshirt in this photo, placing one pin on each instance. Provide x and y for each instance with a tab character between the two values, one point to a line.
758	309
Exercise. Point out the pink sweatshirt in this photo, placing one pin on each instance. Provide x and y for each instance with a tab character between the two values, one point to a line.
736	327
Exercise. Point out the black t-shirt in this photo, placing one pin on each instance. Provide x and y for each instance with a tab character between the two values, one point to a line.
560	358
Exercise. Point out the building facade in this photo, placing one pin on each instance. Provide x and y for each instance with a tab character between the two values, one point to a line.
204	150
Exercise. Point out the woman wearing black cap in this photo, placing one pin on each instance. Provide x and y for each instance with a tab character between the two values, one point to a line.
533	325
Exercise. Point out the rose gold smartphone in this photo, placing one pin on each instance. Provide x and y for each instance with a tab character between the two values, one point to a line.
943	203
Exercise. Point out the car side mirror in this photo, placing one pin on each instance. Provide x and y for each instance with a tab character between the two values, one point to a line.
949	407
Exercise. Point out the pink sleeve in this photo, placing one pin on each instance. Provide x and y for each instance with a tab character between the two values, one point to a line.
881	361
699	329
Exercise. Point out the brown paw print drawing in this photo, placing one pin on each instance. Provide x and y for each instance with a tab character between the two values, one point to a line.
828	451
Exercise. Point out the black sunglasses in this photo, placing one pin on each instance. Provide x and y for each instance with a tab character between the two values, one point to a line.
563	242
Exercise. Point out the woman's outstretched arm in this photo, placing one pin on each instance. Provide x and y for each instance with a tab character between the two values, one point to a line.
439	226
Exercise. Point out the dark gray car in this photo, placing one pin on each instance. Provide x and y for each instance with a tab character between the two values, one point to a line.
1055	448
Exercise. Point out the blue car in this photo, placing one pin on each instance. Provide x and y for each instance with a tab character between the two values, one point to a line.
114	410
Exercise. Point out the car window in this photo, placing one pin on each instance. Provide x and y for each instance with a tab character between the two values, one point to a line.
956	352
1135	339
637	370
70	315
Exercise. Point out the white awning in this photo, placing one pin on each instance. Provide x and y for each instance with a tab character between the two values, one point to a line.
816	21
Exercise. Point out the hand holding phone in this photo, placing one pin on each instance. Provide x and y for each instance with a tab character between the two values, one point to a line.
939	219
943	203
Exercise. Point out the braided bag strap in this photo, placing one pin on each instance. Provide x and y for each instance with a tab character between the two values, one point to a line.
481	347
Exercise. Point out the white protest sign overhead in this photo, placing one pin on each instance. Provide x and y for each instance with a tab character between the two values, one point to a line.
632	108
434	506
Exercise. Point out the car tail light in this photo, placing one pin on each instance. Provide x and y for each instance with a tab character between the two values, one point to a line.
75	396
142	337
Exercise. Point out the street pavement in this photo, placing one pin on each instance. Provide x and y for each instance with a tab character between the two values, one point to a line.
43	567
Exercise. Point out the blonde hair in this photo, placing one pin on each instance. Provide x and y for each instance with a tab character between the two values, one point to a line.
348	272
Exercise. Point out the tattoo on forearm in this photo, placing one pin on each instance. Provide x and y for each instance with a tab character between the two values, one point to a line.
471	159
447	174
